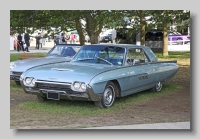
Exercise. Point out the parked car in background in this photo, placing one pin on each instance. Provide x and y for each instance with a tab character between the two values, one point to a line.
100	73
173	37
106	38
178	38
59	53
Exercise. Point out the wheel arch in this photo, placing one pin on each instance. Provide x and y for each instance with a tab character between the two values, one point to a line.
117	85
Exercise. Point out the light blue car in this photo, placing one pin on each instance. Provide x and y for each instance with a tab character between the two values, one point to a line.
100	73
59	53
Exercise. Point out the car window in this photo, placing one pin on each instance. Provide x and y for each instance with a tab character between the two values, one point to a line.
62	51
136	56
101	55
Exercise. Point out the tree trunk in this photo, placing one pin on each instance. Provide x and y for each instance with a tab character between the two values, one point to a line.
92	28
94	38
165	39
80	32
142	28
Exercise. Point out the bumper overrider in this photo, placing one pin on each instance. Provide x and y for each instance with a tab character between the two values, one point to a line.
15	76
57	91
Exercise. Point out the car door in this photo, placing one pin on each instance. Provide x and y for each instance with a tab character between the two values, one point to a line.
137	62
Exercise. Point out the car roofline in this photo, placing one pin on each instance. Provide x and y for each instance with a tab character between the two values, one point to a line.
120	45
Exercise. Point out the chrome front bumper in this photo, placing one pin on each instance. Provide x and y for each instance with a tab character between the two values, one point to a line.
15	75
57	94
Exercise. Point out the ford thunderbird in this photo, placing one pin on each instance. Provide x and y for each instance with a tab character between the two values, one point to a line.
59	53
100	73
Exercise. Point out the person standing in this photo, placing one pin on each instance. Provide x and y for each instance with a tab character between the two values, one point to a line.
27	41
15	41
41	37
43	40
19	43
56	39
75	38
64	38
37	41
86	38
98	39
72	38
22	41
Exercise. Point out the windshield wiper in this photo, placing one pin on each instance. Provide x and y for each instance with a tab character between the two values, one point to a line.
104	60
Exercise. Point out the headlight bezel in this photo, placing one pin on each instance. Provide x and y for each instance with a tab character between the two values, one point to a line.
77	85
12	65
81	86
31	83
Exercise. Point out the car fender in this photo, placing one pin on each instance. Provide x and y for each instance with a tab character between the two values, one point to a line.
99	81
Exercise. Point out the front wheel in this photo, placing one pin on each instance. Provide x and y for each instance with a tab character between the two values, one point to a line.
157	87
108	97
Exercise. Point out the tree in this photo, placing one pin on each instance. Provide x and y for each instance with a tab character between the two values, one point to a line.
138	20
95	20
165	17
89	21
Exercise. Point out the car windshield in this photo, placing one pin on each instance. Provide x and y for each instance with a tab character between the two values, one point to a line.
100	55
63	51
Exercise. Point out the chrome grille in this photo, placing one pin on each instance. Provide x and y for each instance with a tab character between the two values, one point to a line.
51	86
17	73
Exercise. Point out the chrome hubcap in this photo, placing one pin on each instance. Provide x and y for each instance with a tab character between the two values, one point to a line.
158	86
108	95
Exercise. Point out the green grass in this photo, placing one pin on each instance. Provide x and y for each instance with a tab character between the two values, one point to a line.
14	57
14	86
84	108
174	55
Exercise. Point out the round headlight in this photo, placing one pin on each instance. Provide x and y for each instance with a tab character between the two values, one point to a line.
33	82
83	86
12	65
77	85
28	80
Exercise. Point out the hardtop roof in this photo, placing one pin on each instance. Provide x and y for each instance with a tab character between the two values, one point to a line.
120	45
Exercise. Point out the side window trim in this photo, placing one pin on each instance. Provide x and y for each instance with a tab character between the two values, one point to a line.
129	61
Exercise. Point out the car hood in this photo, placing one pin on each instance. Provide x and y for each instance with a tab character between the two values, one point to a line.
23	65
67	72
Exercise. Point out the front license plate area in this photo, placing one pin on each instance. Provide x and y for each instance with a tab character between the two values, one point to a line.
53	95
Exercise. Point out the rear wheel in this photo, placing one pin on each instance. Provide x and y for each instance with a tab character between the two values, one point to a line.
157	87
41	99
108	97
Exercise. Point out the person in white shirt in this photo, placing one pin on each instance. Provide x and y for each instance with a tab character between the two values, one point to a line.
23	42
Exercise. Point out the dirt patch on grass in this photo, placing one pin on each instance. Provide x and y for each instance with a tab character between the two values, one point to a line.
172	107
